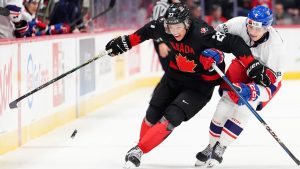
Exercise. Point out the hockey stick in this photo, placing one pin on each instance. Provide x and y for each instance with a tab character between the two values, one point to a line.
256	115
37	11
13	104
4	11
110	6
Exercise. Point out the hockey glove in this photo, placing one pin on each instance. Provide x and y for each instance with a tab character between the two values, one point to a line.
59	28
261	74
36	28
210	56
118	45
249	92
21	29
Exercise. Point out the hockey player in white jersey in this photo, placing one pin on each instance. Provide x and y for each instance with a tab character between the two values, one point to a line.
16	22
231	115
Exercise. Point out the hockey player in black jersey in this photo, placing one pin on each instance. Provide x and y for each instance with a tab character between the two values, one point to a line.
188	82
160	10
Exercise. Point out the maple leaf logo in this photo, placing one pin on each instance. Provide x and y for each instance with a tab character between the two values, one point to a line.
134	39
184	64
246	60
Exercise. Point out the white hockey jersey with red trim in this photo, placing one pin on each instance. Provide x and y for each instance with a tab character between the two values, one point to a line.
271	53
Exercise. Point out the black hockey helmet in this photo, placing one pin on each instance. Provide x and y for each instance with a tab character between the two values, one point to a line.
177	13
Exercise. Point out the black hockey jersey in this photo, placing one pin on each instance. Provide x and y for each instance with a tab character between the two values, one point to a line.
183	62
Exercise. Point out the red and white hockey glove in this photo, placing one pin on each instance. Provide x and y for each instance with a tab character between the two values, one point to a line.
210	56
249	92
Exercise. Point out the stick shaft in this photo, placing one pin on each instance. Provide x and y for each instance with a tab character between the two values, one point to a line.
13	104
111	5
256	115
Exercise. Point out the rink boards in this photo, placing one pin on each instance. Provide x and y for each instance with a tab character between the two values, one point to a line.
26	64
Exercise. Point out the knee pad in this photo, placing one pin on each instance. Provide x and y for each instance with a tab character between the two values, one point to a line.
153	114
175	115
241	116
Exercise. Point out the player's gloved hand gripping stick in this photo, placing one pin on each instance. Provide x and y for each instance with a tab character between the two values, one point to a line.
256	114
13	104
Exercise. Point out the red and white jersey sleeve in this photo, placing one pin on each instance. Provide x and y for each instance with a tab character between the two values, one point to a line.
271	53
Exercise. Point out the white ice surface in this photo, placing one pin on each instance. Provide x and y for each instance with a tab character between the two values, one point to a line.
106	135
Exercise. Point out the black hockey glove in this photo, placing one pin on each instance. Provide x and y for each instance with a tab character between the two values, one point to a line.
118	45
21	29
261	74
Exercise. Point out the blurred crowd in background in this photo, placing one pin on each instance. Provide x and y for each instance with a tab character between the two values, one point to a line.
30	18
137	12
48	17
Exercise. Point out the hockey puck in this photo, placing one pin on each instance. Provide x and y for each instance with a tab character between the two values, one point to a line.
74	133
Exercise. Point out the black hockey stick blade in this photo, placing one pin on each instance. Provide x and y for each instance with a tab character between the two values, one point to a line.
4	11
13	105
